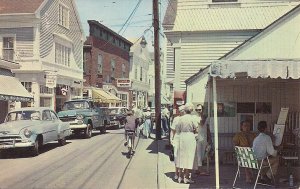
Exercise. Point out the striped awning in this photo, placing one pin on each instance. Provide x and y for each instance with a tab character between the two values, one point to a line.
284	69
99	95
11	89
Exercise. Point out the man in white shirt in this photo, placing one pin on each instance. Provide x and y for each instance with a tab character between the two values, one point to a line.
263	147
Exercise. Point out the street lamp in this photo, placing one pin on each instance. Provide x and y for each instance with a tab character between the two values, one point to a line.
143	42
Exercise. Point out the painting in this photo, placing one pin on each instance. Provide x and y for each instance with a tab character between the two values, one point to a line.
245	107
225	109
278	134
263	107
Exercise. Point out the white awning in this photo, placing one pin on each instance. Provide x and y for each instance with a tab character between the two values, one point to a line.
284	69
12	89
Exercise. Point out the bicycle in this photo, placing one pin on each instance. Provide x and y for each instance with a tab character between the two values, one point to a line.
130	142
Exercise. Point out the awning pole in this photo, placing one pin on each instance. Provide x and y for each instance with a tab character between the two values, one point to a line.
216	140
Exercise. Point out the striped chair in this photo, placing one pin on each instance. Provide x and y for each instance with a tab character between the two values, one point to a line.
246	158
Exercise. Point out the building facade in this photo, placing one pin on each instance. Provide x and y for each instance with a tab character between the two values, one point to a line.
46	39
197	37
139	74
106	61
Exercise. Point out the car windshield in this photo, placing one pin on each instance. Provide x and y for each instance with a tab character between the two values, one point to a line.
113	110
73	105
23	115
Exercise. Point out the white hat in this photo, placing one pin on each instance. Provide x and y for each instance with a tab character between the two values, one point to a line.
189	107
148	109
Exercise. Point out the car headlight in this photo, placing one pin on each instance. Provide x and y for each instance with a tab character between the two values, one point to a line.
27	133
79	117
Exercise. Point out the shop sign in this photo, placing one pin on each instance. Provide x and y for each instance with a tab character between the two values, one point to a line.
123	82
51	79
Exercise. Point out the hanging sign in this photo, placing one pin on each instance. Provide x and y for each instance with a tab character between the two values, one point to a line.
51	79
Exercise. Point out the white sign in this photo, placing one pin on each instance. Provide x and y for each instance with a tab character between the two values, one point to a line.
123	82
51	79
282	116
278	134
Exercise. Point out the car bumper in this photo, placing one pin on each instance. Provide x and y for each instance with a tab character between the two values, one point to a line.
78	126
16	145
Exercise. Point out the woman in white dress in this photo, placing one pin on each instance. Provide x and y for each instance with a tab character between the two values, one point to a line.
175	140
186	128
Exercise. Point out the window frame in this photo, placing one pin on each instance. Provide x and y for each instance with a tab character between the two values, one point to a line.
62	20
9	49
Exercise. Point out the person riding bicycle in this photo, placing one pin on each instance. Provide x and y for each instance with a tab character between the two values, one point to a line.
131	124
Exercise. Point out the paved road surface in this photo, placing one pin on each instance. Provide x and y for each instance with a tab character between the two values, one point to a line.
98	162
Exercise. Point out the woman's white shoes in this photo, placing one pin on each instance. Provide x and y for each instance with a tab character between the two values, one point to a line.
179	179
186	181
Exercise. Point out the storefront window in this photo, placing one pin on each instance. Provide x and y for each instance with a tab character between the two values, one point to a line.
28	86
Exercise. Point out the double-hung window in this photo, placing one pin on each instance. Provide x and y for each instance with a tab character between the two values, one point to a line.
62	54
113	68
63	16
8	48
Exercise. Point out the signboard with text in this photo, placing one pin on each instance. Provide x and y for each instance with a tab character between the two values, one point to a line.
51	79
123	82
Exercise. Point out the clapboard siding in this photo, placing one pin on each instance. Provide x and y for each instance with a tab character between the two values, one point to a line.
24	40
49	25
200	50
169	62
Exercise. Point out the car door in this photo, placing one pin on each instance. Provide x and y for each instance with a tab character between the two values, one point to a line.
49	127
58	125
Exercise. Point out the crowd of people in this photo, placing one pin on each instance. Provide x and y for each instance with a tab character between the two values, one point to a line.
191	140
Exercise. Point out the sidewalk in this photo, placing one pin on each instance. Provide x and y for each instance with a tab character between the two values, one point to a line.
151	168
227	173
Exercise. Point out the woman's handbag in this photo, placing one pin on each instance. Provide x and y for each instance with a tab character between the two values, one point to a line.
171	154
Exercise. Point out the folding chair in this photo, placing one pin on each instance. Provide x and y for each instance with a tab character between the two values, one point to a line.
246	158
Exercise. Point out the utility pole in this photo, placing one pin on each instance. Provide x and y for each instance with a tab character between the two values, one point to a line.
157	70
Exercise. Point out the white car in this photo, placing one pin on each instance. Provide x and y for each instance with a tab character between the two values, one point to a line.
31	128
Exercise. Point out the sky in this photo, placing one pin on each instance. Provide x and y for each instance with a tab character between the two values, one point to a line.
114	13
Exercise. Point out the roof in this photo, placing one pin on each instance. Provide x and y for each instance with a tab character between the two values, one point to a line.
170	15
19	6
229	18
94	22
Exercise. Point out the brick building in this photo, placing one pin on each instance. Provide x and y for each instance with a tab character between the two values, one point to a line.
106	59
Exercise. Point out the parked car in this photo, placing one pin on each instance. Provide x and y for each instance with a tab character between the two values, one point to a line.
118	115
83	116
31	128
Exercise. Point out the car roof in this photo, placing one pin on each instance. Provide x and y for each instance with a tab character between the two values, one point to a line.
79	99
31	109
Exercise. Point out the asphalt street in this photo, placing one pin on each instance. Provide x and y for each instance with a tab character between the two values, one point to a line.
98	162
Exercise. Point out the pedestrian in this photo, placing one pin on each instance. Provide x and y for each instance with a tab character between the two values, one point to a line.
263	148
165	115
203	139
186	128
131	124
175	140
147	123
245	138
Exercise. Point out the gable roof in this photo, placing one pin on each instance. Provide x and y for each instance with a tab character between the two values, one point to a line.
230	56
230	18
19	6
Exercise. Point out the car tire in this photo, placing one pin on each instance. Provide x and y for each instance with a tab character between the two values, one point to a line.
88	131
35	150
62	141
103	129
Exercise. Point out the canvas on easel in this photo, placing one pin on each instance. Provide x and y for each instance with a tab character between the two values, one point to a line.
278	134
280	126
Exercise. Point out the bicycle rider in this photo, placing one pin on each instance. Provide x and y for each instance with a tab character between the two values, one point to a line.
131	124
